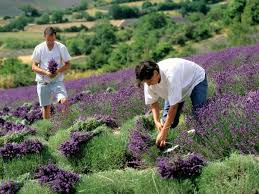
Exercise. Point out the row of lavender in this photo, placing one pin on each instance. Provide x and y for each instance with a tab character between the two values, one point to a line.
234	70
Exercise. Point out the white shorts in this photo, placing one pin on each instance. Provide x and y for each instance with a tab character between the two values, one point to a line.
50	93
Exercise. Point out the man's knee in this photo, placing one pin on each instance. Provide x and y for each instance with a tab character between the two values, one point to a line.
63	101
46	108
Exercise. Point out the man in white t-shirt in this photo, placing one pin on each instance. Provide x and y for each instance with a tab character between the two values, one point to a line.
172	79
50	85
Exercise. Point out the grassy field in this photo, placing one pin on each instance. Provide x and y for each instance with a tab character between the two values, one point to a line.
171	13
29	35
39	28
139	3
93	10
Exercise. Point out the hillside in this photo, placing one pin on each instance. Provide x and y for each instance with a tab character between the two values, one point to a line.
11	7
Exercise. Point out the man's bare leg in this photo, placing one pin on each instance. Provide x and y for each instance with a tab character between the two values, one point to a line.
46	112
64	103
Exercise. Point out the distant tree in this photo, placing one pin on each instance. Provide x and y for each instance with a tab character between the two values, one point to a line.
120	56
234	10
195	16
168	6
29	10
74	46
120	12
7	17
160	51
216	13
57	17
146	5
83	5
99	56
76	28
100	15
153	21
242	34
197	31
43	19
16	24
251	12
105	33
194	6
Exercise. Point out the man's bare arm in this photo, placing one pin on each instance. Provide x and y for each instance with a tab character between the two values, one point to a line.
64	68
37	69
155	110
170	116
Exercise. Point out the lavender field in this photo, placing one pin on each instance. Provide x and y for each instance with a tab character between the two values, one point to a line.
106	143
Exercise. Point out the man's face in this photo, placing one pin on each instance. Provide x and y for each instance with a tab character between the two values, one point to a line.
154	79
50	39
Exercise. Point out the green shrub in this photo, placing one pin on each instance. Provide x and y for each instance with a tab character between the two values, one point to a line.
25	164
130	181
13	43
44	128
8	70
104	152
33	187
237	174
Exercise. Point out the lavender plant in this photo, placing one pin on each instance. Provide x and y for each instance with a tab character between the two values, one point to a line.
9	187
72	147
180	168
13	150
57	179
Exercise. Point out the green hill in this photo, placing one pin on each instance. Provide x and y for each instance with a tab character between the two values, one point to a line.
11	7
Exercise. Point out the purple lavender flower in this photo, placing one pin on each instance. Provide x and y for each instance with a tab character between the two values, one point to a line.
31	146
9	187
180	168
72	146
13	150
6	109
108	120
57	179
10	151
52	66
10	128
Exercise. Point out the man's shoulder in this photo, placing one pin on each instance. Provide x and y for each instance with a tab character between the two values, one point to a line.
60	45
40	46
170	60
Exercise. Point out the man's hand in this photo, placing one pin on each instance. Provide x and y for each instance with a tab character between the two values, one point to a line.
159	126
161	138
50	75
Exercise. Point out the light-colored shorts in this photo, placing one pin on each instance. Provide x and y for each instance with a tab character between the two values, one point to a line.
51	93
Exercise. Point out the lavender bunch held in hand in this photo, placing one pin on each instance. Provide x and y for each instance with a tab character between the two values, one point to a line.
52	66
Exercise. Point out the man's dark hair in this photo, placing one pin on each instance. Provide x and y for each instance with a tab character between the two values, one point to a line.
50	31
145	70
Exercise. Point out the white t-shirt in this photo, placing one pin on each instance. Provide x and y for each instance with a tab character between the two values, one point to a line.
43	55
178	78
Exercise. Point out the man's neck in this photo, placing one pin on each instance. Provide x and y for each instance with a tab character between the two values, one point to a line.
50	47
